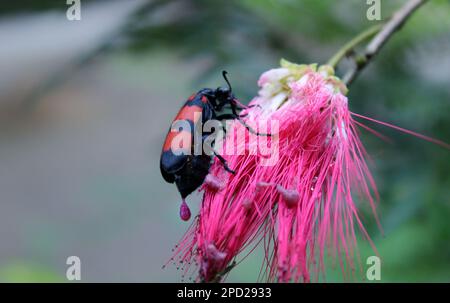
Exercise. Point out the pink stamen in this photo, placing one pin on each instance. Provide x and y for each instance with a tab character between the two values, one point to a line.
213	183
247	204
240	104
406	131
290	196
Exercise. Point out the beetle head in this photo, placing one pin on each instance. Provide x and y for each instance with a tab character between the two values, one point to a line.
223	95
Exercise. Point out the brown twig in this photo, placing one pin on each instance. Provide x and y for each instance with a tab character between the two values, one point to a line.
379	40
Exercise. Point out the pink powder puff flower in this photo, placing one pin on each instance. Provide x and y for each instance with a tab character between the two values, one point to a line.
302	206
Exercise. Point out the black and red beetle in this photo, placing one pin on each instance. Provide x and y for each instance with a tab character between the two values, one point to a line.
188	171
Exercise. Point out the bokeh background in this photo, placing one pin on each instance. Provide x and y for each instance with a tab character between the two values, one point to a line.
85	106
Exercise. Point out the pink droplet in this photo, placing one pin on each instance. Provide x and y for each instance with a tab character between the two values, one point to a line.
185	212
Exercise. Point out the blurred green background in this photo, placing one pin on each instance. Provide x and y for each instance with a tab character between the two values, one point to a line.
85	106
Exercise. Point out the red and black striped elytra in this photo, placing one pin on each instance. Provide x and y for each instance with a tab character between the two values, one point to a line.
188	171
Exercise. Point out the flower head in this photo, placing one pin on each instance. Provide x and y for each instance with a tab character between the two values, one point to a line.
300	205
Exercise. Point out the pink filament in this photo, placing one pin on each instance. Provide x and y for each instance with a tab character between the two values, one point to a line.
409	132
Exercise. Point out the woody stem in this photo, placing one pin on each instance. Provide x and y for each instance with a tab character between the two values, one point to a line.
349	46
381	34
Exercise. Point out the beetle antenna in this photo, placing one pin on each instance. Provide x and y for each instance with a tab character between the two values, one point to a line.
224	74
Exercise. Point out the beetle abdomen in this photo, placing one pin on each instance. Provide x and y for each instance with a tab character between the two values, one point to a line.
192	175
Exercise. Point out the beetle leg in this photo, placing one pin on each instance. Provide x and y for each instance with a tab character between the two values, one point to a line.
226	117
235	115
250	106
224	163
251	130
